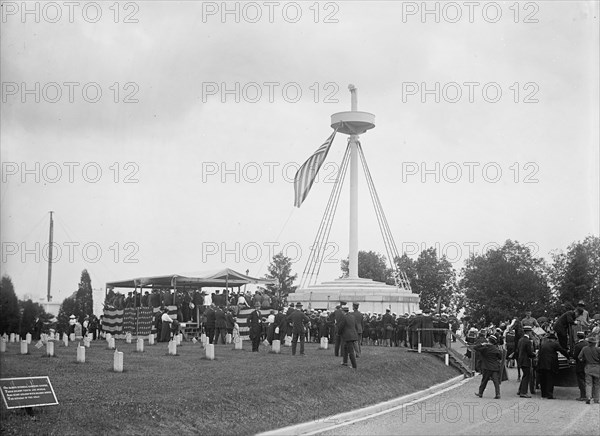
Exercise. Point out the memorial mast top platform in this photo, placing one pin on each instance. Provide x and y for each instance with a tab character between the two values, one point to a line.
373	296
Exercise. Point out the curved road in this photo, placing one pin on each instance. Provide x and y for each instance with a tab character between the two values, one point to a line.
458	411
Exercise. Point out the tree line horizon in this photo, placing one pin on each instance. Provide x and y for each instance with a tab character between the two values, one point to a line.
491	287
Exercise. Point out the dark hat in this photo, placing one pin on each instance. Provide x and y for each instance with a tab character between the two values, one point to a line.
581	334
355	305
581	303
342	302
298	304
388	310
527	328
551	336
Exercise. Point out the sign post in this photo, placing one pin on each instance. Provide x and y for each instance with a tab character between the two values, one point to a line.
27	392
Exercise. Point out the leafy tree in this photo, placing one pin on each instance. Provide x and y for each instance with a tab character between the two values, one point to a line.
371	265
67	308
575	275
431	277
9	307
505	282
31	312
280	268
435	281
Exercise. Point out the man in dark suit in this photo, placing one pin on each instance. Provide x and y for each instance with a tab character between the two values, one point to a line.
562	328
548	364
579	365
525	354
255	325
298	319
491	358
347	332
338	315
220	325
359	328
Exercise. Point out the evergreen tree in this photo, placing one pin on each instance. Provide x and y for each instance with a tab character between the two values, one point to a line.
9	307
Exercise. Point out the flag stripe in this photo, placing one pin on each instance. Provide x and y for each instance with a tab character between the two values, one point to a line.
305	177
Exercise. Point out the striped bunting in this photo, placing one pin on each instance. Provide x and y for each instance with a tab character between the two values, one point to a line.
118	322
242	320
305	177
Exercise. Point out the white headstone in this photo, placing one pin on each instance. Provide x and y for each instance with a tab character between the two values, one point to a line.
238	343
172	348
13	337
65	340
288	341
118	361
447	359
324	343
210	351
140	345
276	346
203	339
2	346
28	338
80	354
111	344
228	338
419	348
72	337
108	336
128	337
23	347
178	339
150	339
50	348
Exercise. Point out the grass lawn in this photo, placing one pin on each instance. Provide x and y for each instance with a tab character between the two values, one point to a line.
239	392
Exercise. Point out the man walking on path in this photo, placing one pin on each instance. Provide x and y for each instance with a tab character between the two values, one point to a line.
525	354
491	358
591	356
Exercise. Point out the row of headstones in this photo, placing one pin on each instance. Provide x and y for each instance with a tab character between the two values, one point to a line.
118	356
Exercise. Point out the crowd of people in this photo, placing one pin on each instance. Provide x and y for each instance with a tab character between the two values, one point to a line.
533	346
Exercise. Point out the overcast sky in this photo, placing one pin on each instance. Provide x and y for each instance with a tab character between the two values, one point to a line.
166	135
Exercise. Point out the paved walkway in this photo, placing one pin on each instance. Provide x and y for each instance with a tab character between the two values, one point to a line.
455	410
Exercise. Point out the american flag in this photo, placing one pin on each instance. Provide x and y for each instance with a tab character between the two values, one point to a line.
307	173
